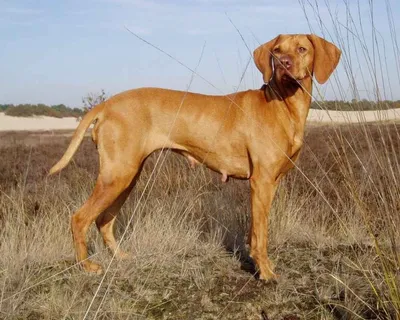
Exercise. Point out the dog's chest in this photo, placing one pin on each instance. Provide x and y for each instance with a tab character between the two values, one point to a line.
296	144
292	153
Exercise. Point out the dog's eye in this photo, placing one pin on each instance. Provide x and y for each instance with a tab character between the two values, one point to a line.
276	50
302	50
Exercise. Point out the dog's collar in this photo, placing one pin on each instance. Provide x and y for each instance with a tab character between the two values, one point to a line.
267	85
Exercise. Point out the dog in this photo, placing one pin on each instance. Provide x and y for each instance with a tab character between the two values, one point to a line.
253	134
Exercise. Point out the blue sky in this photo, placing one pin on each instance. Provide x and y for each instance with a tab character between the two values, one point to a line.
58	51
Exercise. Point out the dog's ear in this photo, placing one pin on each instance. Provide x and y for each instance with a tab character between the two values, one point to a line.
263	59
326	57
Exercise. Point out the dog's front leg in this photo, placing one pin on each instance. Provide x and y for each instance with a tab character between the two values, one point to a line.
262	192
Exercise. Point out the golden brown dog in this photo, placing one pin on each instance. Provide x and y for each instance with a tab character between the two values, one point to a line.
254	134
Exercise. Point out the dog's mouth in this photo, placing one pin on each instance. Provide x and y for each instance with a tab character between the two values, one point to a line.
288	77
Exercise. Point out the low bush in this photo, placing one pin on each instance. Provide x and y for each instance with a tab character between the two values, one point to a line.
29	110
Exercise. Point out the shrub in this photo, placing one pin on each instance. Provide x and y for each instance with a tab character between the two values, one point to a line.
29	110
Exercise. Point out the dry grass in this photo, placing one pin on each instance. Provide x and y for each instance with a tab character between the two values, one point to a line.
334	236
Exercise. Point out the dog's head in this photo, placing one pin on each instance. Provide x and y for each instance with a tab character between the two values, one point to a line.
296	57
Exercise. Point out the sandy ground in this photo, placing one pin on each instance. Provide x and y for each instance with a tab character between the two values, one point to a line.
353	116
8	123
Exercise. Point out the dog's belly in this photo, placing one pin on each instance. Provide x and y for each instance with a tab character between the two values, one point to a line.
234	164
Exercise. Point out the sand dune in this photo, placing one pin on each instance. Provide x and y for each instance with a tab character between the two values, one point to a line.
353	116
8	123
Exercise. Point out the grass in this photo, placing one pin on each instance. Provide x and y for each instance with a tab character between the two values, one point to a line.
334	244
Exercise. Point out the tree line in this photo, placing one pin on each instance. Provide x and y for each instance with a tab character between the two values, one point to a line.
61	110
355	105
28	110
57	111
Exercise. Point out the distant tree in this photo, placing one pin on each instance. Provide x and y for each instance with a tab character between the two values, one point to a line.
4	107
60	107
93	99
29	110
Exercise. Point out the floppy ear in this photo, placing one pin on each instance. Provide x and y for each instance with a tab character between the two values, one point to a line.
326	57
263	59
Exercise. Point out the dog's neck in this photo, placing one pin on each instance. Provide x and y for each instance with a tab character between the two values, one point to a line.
295	95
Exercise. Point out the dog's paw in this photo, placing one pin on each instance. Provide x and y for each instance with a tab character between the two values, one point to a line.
269	277
92	267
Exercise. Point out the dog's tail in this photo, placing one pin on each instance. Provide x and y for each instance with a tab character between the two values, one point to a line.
77	138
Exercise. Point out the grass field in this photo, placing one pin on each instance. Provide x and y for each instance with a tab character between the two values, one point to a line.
334	235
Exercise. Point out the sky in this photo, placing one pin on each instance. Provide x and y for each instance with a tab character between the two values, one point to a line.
56	52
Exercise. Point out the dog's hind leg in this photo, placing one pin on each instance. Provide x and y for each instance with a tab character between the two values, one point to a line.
109	187
105	223
120	161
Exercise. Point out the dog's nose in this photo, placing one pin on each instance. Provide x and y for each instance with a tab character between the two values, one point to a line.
286	62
